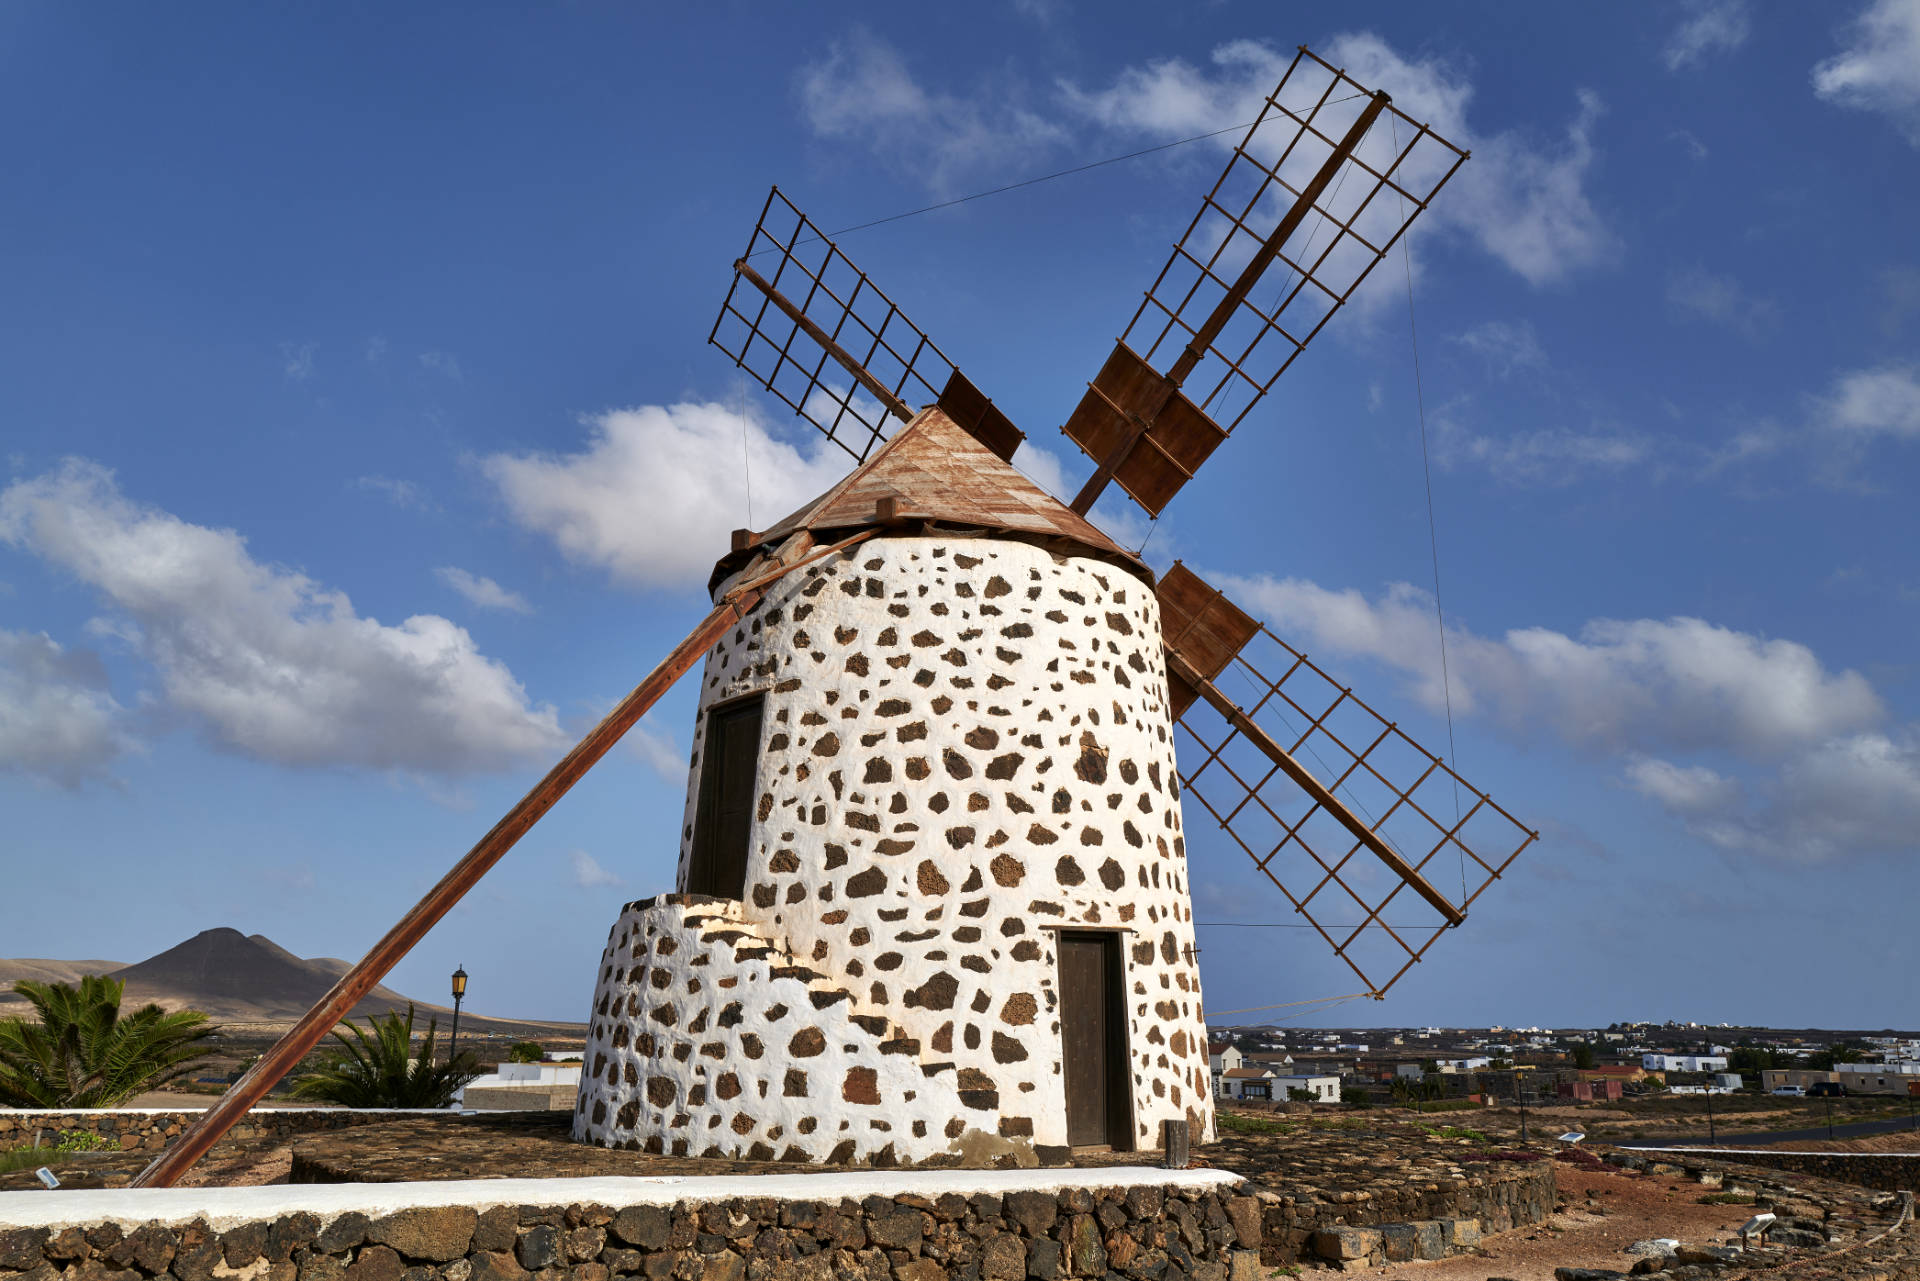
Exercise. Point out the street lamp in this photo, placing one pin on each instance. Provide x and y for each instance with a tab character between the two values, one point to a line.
459	992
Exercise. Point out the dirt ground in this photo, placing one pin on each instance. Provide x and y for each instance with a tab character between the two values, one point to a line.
1605	1212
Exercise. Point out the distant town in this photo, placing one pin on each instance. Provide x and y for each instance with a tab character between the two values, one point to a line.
1398	1066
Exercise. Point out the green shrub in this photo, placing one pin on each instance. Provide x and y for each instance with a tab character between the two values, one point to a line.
526	1052
379	1068
84	1141
81	1051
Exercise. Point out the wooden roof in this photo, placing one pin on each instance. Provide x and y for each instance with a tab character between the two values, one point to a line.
934	475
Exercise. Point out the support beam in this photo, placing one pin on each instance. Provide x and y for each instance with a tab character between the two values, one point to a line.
1313	787
196	1139
879	390
1230	302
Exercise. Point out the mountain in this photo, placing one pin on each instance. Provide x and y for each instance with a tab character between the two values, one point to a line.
245	978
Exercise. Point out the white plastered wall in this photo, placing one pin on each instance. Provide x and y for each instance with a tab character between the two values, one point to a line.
966	747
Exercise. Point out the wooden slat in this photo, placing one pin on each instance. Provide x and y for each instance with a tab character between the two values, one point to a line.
1206	628
1128	406
970	409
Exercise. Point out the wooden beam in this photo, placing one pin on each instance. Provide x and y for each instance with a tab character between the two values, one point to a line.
1223	310
354	985
880	391
1312	786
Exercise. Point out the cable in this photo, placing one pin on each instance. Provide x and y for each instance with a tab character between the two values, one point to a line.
1433	536
1328	1001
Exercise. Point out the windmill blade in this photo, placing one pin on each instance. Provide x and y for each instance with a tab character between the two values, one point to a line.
1304	777
285	1054
794	282
1321	184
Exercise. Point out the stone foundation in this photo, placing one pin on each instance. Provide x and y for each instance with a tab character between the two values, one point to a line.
980	1227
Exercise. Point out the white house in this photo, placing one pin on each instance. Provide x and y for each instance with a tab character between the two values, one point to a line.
1683	1062
1223	1057
1247	1083
1324	1089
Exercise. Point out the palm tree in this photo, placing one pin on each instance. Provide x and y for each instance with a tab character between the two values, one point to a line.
83	1053
377	1068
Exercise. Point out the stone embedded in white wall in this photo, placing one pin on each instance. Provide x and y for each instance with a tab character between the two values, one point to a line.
966	747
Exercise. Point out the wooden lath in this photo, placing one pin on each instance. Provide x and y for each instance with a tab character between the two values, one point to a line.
1318	185
798	310
1304	776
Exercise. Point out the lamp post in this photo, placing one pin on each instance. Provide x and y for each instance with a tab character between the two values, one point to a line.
459	993
1710	1135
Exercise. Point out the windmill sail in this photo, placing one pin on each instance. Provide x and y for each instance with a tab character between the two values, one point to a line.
1349	817
816	332
1324	183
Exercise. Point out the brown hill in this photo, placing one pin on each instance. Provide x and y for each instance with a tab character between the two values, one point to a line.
250	985
41	970
238	977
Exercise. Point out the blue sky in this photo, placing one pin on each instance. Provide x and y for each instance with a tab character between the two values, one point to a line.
362	445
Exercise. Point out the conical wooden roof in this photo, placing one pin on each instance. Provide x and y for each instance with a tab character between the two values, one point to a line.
940	477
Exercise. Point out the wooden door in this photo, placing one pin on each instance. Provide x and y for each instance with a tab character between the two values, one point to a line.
1093	1040
723	820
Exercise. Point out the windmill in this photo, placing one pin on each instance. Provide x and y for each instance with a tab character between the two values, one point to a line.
1299	772
932	899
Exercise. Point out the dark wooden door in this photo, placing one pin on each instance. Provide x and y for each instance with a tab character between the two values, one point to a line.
1093	1037
723	821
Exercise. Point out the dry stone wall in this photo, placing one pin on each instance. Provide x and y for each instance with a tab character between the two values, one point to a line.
965	748
1142	1231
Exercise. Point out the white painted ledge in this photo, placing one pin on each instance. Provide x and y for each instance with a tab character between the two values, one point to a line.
225	1208
250	1111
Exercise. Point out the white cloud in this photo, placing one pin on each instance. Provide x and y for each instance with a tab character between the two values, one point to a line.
1544	457
441	363
588	874
296	359
57	719
1855	794
1507	346
1879	70
1523	202
271	663
1816	777
863	91
1710	26
655	492
1619	685
376	349
483	592
658	749
401	493
1873	402
1725	301
1691	141
1684	789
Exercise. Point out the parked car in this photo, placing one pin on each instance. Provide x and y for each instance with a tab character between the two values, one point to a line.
1827	1090
1790	1091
